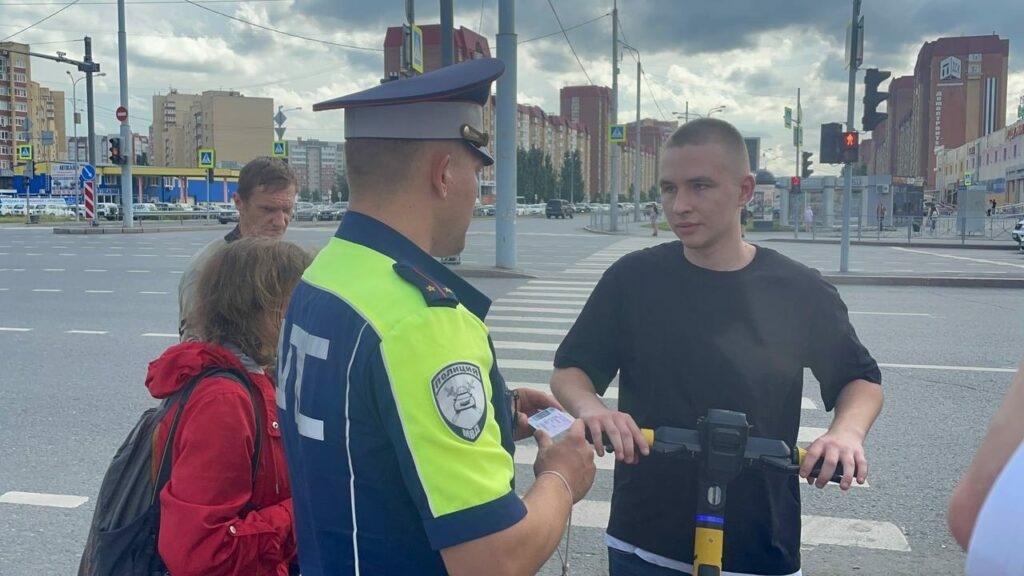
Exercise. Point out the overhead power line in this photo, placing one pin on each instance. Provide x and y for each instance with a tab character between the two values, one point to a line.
581	24
30	26
567	41
276	31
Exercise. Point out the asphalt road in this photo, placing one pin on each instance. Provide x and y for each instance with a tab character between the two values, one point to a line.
80	317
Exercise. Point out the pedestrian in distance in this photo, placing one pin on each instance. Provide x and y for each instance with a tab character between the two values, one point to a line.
808	218
398	426
265	200
219	515
880	214
653	214
988	503
712	345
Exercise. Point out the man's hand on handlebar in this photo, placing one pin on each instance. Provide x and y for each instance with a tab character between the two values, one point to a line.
836	446
620	429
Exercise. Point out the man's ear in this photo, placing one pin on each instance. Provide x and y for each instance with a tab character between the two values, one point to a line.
441	172
747	189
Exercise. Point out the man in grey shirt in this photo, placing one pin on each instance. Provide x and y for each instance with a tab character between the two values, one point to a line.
265	200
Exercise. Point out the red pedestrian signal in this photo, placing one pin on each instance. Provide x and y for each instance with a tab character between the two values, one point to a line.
794	182
851	140
850	146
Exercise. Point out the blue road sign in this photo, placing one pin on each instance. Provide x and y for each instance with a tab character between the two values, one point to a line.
206	159
617	133
280	149
88	172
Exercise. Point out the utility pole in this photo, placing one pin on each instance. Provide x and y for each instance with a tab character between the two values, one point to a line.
637	149
447	24
89	112
844	251
613	203
505	141
797	129
126	131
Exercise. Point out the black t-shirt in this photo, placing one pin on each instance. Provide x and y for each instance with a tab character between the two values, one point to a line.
684	339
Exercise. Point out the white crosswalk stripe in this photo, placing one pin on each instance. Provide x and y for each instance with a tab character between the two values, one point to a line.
529	323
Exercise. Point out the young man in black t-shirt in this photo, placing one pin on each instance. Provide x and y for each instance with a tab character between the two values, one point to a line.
735	326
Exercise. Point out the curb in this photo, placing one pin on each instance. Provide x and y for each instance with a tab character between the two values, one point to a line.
490	272
989	246
136	230
932	281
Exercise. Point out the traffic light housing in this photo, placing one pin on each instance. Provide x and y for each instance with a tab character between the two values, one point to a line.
850	145
794	185
806	172
831	135
115	151
872	98
209	175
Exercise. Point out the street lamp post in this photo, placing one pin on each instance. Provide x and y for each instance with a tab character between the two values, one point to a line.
75	120
686	115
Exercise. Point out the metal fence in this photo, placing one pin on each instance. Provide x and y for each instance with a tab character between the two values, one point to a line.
998	228
601	220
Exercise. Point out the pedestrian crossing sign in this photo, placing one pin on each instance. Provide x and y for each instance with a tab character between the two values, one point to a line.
206	158
617	133
25	152
280	149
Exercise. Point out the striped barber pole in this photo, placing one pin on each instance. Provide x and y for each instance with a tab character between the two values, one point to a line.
90	200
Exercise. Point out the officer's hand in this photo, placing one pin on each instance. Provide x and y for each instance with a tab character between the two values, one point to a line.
836	447
571	456
621	430
530	402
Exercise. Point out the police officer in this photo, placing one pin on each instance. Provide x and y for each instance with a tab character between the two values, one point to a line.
398	428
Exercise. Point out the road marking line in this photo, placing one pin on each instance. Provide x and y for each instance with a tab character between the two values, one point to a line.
563	282
892	314
99	291
144	255
159	335
113	254
38	499
11	329
520	330
46	289
513	364
177	255
531	319
150	292
5	253
573	311
534	301
177	271
816	530
92	332
137	271
66	254
53	269
32	254
94	270
950	368
951	256
594	272
534	346
581	289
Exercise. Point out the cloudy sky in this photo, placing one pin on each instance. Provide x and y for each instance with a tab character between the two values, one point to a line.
747	55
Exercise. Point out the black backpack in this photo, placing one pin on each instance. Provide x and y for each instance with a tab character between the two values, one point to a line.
123	534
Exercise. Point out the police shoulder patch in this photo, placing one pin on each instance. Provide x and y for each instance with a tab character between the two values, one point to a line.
435	293
459	395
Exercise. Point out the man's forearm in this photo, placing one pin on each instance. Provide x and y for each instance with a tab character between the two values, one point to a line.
574	390
857	407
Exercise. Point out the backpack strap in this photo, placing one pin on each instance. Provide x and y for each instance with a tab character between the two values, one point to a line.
164	472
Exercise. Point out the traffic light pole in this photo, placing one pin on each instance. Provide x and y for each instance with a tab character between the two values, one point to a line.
796	142
127	150
844	250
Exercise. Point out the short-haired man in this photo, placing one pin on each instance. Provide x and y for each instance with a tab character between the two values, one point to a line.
398	429
737	324
265	199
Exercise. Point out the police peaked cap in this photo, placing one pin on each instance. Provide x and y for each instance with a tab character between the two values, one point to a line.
446	104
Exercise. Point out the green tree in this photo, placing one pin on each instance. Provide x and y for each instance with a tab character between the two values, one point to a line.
306	195
653	195
570	177
339	191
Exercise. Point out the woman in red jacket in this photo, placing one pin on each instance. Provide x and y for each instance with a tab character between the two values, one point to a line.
213	519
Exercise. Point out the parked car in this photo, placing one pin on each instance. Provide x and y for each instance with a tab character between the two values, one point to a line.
558	208
1018	232
227	215
108	210
484	210
333	212
305	211
582	207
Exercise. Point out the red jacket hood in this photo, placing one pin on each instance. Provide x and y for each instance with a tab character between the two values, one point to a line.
182	362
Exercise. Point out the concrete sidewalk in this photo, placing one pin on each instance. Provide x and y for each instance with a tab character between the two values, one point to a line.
1013	278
